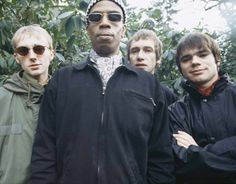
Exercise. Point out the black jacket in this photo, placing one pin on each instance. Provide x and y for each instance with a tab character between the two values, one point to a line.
89	136
211	121
170	97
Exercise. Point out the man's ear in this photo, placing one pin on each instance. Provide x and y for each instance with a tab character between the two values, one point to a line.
52	54
16	59
123	31
218	65
158	63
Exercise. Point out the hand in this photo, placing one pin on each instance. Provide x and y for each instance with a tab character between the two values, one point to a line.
185	140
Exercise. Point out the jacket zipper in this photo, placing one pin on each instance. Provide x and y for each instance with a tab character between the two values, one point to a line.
100	131
100	137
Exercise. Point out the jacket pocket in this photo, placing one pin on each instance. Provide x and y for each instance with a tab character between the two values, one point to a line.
11	129
140	110
140	96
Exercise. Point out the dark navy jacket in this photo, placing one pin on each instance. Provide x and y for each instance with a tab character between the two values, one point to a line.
89	136
211	121
170	97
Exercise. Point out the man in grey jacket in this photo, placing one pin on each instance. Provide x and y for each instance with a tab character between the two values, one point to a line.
19	99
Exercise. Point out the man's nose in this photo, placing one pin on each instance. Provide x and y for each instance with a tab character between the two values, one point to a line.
105	22
195	60
32	55
140	55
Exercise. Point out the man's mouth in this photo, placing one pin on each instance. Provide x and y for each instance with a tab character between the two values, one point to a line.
34	66
197	71
105	34
140	65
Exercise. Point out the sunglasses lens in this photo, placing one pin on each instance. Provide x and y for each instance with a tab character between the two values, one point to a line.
39	49
114	17
23	51
94	17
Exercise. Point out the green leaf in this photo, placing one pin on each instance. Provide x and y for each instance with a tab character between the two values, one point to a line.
65	15
69	26
83	5
60	57
78	22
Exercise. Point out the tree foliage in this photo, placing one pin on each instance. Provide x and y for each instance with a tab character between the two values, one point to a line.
66	22
227	39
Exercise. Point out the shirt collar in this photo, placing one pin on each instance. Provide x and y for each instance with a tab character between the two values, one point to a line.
96	59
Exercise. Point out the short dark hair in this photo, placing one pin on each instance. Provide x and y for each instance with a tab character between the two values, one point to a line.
197	40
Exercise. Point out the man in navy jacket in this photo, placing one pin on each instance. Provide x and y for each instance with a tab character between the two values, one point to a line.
103	121
204	121
144	52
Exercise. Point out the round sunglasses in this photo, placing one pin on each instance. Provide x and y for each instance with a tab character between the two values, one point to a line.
24	51
112	16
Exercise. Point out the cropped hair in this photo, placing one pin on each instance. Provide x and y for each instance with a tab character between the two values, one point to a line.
197	40
31	30
144	34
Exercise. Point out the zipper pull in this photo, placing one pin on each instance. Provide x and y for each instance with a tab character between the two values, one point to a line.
153	102
103	90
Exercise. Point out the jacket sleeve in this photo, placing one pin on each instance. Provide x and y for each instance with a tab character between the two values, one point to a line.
224	149
160	155
215	158
43	162
170	97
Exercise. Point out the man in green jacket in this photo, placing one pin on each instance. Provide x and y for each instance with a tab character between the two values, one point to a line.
19	99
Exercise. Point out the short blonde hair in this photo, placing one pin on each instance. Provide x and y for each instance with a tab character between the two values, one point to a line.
31	30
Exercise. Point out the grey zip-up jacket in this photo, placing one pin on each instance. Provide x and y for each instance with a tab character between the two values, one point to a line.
19	105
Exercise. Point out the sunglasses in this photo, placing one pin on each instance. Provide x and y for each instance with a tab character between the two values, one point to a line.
97	17
24	51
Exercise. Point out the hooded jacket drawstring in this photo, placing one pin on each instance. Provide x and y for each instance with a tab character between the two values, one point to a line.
28	101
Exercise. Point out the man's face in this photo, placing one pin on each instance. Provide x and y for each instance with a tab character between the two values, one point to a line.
199	66
106	34
35	65
143	55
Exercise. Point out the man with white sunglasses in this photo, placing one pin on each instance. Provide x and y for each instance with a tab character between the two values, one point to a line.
103	121
20	99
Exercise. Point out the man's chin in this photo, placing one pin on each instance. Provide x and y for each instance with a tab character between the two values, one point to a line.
105	51
34	73
141	67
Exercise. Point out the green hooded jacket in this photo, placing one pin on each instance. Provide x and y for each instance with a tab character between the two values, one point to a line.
19	106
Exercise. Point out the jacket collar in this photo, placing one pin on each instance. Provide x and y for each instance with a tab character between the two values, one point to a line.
220	86
25	87
88	63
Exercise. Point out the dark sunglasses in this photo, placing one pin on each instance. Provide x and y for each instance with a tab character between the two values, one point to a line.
112	16
24	51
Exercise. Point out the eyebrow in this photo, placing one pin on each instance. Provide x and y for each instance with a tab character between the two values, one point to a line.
204	50
148	47
132	48
145	47
105	12
200	51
